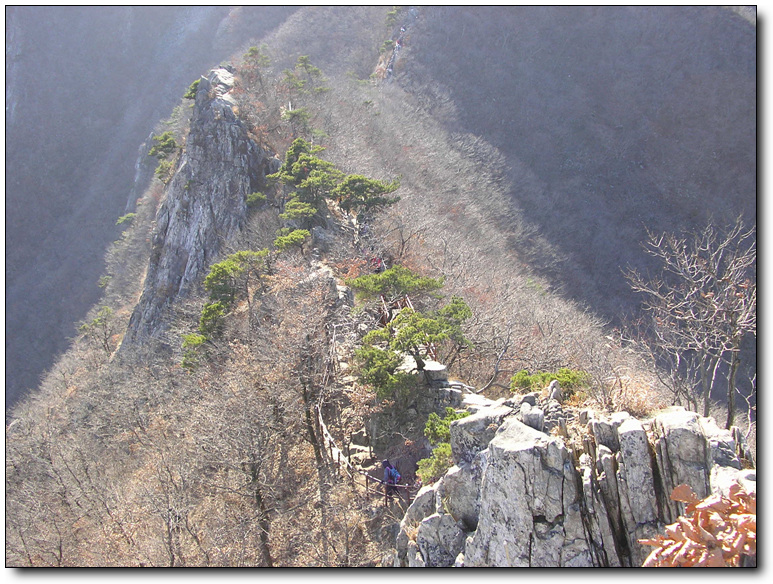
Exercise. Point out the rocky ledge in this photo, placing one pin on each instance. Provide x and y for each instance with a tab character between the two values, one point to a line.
518	496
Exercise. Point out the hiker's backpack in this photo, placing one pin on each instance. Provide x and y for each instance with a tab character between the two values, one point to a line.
394	475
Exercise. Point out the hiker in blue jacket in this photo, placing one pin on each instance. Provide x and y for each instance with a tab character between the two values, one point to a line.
391	477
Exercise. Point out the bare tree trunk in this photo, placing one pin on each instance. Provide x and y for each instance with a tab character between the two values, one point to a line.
264	525
734	362
706	389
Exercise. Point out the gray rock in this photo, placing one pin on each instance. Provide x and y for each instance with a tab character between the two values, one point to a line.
533	417
606	474
693	450
423	505
635	480
602	535
605	430
448	397
436	373
440	540
322	239
345	295
461	490
415	559
472	434
747	479
529	504
204	205
554	415
554	391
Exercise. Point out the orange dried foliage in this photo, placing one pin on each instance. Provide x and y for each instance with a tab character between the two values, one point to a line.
351	269
715	532
479	295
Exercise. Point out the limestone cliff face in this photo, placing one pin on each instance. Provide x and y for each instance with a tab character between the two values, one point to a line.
518	496
204	205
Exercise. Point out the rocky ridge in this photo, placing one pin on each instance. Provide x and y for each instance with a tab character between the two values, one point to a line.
204	204
577	497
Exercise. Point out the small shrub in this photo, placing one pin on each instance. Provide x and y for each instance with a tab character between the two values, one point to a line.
101	329
298	116
191	93
438	429
211	318
164	147
378	368
296	209
221	280
164	170
434	467
393	283
295	238
570	380
391	17
192	342
255	200
128	218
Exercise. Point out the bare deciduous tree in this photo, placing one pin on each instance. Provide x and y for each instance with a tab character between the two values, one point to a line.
704	301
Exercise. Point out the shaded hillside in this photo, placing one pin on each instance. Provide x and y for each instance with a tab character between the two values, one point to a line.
84	87
610	120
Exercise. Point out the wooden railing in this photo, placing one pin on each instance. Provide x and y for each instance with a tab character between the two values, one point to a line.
356	475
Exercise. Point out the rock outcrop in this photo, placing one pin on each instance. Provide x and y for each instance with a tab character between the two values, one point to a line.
523	497
204	204
529	504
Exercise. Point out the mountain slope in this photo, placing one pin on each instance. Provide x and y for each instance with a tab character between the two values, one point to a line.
85	86
198	443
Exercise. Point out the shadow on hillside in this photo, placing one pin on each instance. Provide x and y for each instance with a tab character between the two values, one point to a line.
612	120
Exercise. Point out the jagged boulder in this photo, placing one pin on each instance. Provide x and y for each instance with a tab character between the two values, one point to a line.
532	416
447	397
636	487
460	491
472	434
440	540
693	450
415	559
435	372
423	505
605	478
554	391
601	535
554	415
529	504
604	430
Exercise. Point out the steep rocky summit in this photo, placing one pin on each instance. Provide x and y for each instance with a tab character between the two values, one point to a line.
518	496
205	202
